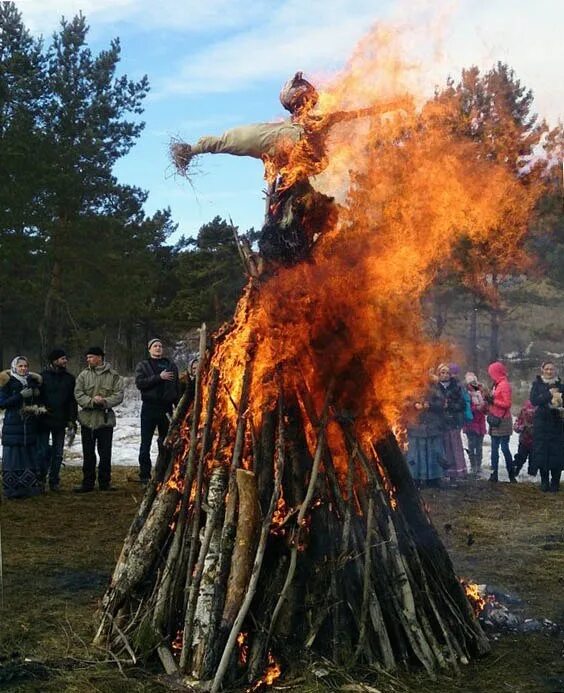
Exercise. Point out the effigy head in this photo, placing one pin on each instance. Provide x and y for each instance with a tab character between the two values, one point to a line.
297	92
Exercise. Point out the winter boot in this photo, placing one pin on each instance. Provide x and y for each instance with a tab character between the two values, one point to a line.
555	482
493	476
518	463
472	459
544	482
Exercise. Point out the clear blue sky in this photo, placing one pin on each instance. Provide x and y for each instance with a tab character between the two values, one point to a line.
213	64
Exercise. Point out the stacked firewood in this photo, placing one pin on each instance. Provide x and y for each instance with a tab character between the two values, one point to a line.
251	548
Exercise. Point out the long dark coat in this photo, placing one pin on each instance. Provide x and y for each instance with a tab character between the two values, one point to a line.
431	421
57	394
548	427
455	404
19	428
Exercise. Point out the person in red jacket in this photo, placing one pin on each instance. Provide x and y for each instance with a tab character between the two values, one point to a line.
500	408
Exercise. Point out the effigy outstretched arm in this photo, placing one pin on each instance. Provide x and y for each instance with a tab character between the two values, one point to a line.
259	141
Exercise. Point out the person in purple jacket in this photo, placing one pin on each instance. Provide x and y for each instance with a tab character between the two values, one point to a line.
475	430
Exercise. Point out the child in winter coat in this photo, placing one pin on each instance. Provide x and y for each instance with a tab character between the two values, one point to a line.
475	429
524	427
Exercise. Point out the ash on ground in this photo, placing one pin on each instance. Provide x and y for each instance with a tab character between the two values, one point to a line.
502	613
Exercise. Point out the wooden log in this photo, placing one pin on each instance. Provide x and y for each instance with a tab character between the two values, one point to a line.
248	523
204	604
195	588
200	472
366	581
216	636
147	546
181	410
265	529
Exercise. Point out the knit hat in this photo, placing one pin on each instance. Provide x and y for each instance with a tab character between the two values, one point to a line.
471	378
95	351
454	368
56	354
153	341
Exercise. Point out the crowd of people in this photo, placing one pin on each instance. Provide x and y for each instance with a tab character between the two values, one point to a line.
451	408
42	410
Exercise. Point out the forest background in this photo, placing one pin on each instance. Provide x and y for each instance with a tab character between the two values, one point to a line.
81	262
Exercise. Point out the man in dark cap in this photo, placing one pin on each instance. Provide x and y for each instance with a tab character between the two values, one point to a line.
157	379
57	394
98	389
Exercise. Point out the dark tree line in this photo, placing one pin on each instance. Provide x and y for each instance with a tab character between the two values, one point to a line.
80	261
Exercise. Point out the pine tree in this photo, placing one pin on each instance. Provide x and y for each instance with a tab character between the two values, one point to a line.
22	92
90	127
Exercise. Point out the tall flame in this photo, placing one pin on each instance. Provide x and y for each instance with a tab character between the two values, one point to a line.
410	190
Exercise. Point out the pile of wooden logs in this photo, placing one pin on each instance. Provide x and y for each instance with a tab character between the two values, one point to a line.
251	548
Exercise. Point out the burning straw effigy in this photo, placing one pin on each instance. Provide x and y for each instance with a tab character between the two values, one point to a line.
282	523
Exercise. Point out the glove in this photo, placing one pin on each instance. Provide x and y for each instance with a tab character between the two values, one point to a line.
26	393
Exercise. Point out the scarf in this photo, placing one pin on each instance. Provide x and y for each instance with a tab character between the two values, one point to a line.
476	397
552	381
14	372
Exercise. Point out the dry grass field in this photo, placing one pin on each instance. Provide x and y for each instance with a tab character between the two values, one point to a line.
59	550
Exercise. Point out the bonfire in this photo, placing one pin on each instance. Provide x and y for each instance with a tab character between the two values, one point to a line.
282	523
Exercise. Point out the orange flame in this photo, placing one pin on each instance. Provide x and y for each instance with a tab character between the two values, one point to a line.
475	596
272	673
410	189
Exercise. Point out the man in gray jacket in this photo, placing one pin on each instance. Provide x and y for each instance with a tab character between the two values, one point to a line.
98	388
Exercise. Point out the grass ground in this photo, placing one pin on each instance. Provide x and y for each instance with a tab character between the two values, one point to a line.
60	549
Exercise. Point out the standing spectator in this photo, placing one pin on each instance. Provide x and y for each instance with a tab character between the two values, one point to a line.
98	388
475	429
19	396
157	379
454	418
500	420
548	431
524	427
57	394
426	452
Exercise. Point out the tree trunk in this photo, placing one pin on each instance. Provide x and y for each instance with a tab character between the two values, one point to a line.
473	338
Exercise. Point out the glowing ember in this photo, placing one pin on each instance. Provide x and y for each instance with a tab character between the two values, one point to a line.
279	518
176	644
243	647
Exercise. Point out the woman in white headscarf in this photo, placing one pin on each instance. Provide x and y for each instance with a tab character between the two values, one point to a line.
19	396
